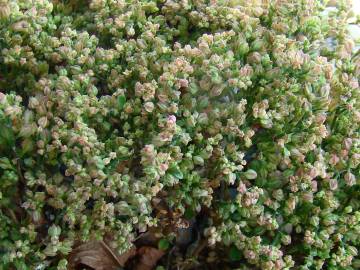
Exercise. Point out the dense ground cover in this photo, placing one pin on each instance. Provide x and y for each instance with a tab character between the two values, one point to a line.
183	134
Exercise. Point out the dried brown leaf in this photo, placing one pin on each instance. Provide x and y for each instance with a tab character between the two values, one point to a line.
149	256
149	238
99	256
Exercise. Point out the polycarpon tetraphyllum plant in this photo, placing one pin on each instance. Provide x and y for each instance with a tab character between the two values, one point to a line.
229	129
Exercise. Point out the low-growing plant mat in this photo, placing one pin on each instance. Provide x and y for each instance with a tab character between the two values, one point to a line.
179	134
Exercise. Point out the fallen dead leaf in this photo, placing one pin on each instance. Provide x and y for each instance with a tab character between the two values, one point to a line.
149	256
149	238
99	256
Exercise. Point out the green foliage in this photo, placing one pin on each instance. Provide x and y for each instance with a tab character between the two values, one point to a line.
163	244
236	116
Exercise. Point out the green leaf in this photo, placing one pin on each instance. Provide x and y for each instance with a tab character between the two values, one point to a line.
121	102
259	230
235	254
198	160
189	213
277	239
176	172
163	244
260	182
20	264
54	231
6	164
236	216
273	183
286	152
7	138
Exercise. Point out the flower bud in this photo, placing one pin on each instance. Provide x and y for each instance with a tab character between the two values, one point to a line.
149	106
333	184
43	121
350	179
250	174
4	11
21	26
